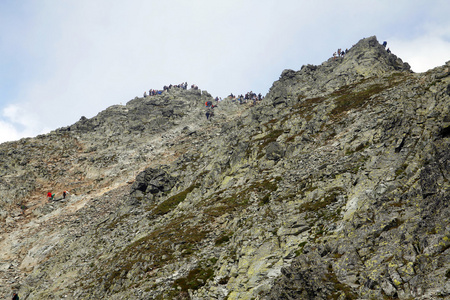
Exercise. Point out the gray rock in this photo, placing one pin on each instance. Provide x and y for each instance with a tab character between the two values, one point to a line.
334	186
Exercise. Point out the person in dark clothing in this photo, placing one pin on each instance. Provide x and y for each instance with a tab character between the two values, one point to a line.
384	44
15	297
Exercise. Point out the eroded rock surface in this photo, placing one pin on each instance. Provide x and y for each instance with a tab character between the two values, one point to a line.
335	186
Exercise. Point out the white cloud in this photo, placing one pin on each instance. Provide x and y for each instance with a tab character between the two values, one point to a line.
18	122
8	132
424	52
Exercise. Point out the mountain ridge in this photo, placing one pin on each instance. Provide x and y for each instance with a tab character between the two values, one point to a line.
333	187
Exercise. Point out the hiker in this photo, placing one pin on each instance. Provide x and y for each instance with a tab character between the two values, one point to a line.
145	94
384	44
23	207
50	196
15	296
388	50
64	194
210	112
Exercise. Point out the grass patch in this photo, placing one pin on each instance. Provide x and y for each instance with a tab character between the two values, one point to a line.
242	199
118	220
194	280
314	206
299	251
169	204
267	187
293	137
152	251
223	239
224	280
339	287
347	99
264	200
401	170
358	148
272	136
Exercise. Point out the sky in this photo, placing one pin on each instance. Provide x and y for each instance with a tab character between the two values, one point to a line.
61	60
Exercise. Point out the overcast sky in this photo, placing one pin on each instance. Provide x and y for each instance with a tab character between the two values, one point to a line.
60	60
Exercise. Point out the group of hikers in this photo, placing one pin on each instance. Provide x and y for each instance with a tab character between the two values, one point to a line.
51	196
248	97
209	109
384	45
243	98
183	86
341	53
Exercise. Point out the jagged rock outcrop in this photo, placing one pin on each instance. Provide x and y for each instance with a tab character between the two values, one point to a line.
335	186
151	182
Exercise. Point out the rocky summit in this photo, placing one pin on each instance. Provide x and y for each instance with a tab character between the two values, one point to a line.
334	186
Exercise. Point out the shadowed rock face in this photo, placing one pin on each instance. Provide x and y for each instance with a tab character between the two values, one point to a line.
335	186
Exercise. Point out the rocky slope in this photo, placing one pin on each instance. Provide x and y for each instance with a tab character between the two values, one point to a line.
335	186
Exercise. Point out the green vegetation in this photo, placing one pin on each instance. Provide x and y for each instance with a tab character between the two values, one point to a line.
272	136
305	107
153	250
121	219
223	239
299	251
224	280
173	201
194	280
241	199
401	170
314	206
347	99
264	200
293	137
358	148
339	287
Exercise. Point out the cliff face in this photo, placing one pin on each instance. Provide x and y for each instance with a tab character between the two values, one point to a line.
335	186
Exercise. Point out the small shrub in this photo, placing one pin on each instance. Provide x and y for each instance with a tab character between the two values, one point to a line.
224	280
194	280
173	201
401	170
223	239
